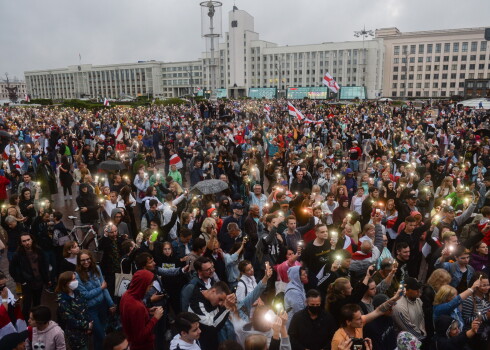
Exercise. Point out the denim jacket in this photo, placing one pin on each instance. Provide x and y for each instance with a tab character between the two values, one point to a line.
91	291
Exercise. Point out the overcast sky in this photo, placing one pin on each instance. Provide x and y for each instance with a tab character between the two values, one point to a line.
51	33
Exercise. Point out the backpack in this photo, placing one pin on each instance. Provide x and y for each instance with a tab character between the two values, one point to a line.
246	290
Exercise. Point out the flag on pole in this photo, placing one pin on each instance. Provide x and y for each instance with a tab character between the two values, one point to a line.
293	111
106	102
28	98
119	132
331	83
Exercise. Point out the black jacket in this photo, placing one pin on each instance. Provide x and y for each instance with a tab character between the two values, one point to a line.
306	333
21	271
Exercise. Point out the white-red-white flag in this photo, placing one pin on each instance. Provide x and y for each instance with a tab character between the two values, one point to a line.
293	111
28	98
118	133
175	160
330	83
106	102
267	110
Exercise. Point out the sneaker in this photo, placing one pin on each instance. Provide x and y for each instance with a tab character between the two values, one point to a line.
49	290
71	197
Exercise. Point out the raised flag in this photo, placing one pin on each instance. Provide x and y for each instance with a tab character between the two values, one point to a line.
28	98
106	102
293	111
267	110
330	83
119	132
175	160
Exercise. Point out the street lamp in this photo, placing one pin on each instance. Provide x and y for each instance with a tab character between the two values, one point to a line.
363	33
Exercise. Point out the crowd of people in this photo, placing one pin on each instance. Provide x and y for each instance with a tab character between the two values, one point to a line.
242	224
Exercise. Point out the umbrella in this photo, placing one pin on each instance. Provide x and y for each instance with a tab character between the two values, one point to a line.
209	186
222	128
111	165
483	132
4	133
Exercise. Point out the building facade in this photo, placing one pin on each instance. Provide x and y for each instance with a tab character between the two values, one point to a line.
21	89
433	63
394	64
243	61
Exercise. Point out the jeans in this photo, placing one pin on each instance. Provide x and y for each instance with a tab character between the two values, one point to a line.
50	257
98	314
30	297
354	165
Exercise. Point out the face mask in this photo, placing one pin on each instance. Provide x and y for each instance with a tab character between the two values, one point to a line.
73	285
315	310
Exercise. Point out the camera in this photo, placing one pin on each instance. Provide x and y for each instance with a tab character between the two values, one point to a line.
357	344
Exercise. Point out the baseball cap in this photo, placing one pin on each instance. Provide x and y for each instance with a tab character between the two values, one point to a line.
412	283
448	209
412	195
236	206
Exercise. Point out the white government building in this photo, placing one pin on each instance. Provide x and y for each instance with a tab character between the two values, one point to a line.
244	61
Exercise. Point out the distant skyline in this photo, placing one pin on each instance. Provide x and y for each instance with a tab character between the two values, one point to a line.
51	34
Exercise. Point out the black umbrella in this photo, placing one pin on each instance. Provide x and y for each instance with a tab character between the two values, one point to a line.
209	186
483	132
4	133
111	165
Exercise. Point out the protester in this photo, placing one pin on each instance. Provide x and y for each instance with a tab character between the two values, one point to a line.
295	197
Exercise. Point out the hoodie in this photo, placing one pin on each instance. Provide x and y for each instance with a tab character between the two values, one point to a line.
294	297
135	318
179	344
52	337
441	339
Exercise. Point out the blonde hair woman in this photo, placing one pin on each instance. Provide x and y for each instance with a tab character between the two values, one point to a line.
206	228
447	302
175	188
445	188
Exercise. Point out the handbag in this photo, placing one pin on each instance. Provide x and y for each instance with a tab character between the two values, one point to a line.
122	282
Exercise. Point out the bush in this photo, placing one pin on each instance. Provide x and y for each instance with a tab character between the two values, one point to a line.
82	104
170	102
41	101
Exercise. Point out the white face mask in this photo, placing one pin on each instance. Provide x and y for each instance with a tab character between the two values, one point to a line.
73	285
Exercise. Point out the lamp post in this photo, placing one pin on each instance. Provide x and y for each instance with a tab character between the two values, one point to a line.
364	33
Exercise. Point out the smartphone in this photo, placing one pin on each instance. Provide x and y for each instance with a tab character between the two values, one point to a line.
270	316
402	286
154	236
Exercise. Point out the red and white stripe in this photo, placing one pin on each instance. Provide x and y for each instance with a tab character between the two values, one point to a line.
267	111
28	98
329	81
293	111
119	132
106	102
175	160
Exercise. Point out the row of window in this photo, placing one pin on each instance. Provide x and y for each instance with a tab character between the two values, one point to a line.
438	67
397	60
180	75
427	93
426	85
437	76
437	48
180	69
